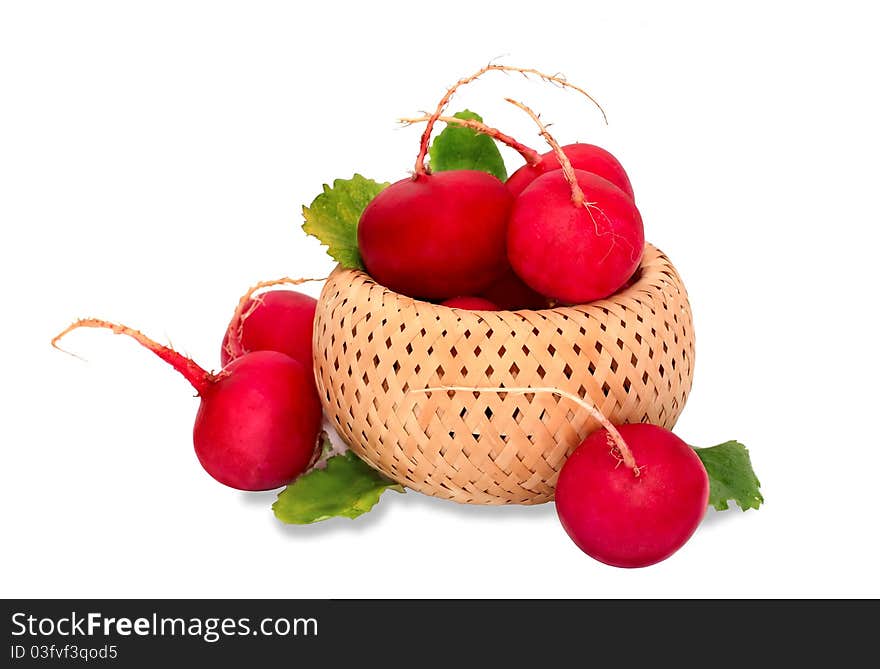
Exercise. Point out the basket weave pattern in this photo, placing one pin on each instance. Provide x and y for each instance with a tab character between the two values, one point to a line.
631	354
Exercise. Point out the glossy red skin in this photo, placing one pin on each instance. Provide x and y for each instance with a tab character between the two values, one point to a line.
257	425
469	302
586	157
511	293
437	236
282	321
567	252
628	521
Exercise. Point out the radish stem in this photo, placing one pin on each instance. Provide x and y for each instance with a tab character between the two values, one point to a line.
531	156
577	195
420	168
233	344
192	372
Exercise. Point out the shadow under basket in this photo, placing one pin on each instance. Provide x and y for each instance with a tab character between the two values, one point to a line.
632	354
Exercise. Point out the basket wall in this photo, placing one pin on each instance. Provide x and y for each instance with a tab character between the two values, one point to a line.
632	354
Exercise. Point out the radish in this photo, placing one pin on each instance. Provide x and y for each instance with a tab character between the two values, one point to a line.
439	235
277	320
628	496
586	157
626	514
258	420
572	235
435	236
468	302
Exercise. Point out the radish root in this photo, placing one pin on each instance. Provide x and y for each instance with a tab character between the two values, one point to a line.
620	449
420	167
192	372
233	344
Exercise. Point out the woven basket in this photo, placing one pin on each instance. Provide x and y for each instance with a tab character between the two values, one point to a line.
632	354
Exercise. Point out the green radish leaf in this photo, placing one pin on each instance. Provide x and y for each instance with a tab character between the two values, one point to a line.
458	148
731	476
333	217
348	487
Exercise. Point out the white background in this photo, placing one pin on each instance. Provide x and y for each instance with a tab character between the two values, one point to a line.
153	161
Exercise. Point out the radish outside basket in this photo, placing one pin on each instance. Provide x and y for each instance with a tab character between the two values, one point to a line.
631	354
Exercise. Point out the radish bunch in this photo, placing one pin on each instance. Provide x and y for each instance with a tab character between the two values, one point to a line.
259	417
564	226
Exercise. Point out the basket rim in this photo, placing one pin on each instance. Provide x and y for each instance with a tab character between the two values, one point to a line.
652	259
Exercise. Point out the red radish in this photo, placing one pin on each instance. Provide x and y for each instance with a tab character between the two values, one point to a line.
509	292
575	253
258	421
628	496
573	235
439	235
277	320
468	302
586	157
628	515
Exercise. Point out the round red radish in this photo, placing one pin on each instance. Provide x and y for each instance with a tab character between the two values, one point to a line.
436	236
277	320
258	421
510	293
468	302
569	251
586	157
629	520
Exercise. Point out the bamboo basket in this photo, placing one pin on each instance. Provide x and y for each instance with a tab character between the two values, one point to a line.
632	354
